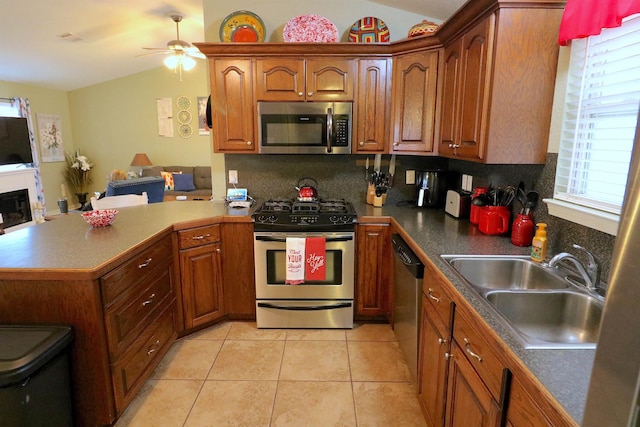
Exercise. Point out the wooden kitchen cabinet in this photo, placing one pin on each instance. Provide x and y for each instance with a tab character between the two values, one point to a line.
232	107
201	275
469	403
371	108
433	365
239	287
522	409
497	94
414	87
305	79
373	272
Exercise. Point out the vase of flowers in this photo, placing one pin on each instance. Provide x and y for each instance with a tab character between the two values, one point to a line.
77	175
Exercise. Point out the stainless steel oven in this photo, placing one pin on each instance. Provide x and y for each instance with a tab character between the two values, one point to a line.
312	304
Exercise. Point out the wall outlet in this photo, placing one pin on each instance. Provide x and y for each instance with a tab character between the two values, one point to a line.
233	176
410	177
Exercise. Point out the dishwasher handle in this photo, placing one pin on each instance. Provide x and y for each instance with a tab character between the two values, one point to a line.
405	255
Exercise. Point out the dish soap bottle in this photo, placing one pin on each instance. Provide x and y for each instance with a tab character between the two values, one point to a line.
539	243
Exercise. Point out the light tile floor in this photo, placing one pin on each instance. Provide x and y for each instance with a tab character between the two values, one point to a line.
234	374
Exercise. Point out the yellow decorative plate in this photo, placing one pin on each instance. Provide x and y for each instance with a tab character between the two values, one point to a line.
185	131
184	117
183	103
242	26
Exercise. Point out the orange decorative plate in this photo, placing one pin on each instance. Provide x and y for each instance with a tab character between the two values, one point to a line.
369	30
242	26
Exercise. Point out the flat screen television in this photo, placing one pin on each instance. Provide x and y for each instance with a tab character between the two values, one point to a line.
15	146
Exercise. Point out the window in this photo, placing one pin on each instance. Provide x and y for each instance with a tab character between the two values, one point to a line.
599	124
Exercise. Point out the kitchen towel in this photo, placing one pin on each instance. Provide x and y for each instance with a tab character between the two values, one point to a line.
315	258
295	260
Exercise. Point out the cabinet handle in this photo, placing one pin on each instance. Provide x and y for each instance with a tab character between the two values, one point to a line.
249	142
218	250
145	263
309	93
442	341
153	348
200	237
433	297
300	93
395	144
148	301
361	143
467	347
448	356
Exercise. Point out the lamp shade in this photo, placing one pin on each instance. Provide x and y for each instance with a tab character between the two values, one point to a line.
141	159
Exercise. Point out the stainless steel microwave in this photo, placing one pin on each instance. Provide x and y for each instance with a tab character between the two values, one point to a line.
304	127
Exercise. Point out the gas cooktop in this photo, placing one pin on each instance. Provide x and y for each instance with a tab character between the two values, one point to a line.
322	214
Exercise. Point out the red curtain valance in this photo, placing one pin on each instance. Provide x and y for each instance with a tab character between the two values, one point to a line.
584	18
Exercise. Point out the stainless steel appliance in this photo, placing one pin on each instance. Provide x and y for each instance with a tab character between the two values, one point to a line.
313	304
615	380
407	301
431	188
304	127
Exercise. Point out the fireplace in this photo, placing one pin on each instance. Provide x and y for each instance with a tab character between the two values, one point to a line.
15	208
17	198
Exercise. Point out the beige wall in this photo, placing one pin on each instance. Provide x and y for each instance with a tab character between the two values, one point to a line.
114	120
46	101
276	13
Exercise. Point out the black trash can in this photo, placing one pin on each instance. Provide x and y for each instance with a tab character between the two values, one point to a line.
35	387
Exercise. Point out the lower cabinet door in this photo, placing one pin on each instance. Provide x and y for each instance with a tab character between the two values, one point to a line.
522	410
469	402
201	273
433	367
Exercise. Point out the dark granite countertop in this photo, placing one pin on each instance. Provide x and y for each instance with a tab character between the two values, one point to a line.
565	373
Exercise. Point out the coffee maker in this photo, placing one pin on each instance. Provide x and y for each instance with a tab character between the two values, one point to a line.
432	186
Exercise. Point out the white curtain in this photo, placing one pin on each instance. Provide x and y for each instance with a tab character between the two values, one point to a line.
24	109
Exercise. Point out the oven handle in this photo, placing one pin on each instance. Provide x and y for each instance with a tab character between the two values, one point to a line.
305	308
283	239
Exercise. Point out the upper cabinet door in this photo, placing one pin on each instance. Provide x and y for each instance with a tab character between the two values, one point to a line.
305	79
415	79
280	79
371	116
232	109
330	79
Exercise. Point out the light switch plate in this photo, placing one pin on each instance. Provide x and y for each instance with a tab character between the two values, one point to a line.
410	177
233	176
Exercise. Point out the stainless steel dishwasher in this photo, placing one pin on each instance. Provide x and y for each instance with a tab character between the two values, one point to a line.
407	306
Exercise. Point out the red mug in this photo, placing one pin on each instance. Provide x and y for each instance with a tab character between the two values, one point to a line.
494	219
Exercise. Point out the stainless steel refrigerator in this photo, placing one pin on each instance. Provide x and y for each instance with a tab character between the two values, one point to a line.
613	399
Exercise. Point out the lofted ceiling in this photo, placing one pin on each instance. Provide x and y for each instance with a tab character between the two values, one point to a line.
104	37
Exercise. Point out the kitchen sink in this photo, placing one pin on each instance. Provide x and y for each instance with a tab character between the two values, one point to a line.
503	272
538	303
558	319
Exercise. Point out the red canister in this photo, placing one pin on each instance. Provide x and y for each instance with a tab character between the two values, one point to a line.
522	230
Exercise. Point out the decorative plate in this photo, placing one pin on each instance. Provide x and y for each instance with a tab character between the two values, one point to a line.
310	28
183	103
242	26
185	131
424	28
369	30
184	117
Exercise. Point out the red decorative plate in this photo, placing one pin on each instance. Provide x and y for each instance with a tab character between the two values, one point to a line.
369	30
310	28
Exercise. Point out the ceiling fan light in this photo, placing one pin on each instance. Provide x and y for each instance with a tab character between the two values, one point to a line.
172	61
188	63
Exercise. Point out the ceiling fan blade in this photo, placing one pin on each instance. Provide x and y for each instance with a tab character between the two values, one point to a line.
154	48
193	51
164	52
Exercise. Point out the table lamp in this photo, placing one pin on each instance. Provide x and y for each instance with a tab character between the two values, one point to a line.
141	160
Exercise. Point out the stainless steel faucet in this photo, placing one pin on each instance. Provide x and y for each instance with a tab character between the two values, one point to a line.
590	274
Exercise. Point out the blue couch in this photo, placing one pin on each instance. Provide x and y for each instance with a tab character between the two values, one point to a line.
153	186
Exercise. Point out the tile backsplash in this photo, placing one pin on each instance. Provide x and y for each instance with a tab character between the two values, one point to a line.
343	176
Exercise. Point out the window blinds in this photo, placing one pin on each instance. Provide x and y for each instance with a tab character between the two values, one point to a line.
600	118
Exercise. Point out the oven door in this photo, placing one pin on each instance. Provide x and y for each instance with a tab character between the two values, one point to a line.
270	267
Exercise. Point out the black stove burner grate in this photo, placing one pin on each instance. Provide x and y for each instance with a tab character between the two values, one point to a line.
324	213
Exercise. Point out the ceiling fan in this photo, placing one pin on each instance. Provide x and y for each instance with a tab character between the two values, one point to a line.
180	52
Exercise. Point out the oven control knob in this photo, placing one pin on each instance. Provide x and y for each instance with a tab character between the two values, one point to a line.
345	219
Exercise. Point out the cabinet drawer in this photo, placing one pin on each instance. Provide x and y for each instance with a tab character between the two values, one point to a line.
479	353
128	317
130	372
137	268
198	236
435	289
